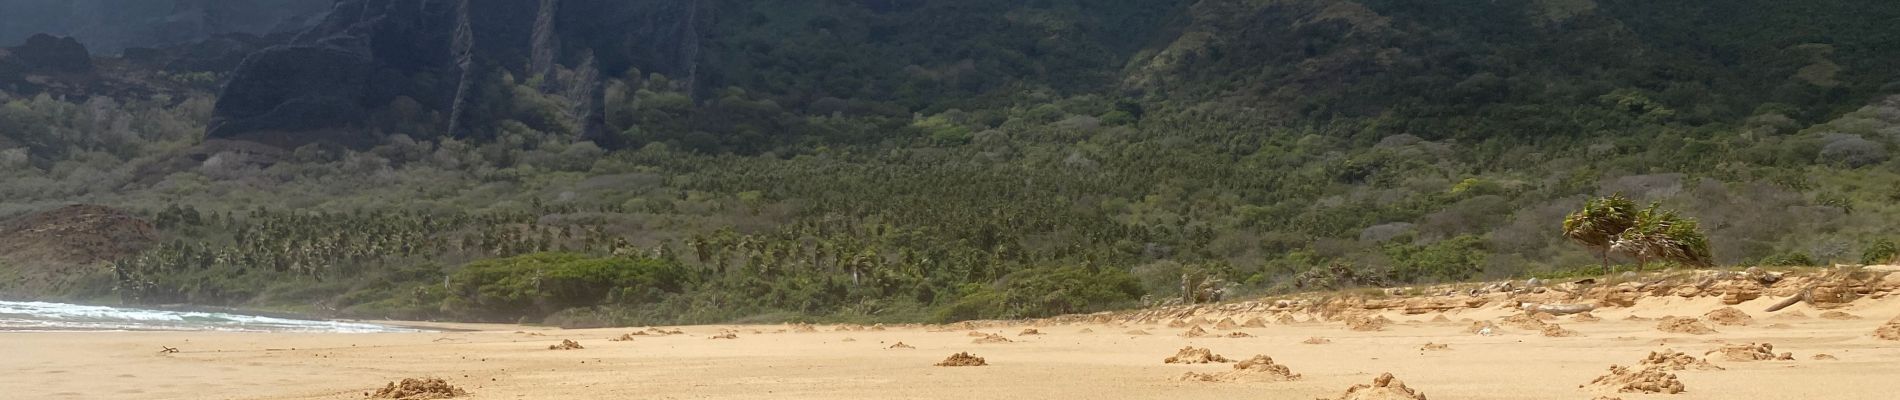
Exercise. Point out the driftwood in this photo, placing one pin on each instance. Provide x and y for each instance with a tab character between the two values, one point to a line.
168	350
1558	309
1797	298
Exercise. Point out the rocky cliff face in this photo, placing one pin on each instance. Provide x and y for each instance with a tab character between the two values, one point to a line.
109	26
444	57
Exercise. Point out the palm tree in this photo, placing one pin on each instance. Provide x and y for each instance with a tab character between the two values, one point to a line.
1662	235
1597	225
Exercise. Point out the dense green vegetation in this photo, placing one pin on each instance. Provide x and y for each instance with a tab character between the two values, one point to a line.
1055	157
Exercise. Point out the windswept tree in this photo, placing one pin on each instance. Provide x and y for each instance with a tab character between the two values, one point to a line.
1597	225
1613	225
1662	235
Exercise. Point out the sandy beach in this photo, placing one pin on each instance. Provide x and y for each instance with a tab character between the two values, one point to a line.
1087	360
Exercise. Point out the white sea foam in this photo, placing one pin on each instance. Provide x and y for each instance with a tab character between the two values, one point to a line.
40	316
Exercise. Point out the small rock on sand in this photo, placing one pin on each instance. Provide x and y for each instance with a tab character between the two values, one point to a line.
1434	347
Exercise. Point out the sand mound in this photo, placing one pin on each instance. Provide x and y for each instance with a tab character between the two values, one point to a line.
1260	368
1633	317
804	328
1138	332
1286	319
626	337
963	360
566	345
1029	332
1684	325
1585	316
1362	323
1824	357
877	328
419	389
1434	347
1672	360
1441	318
1791	315
1890	331
1554	330
1385	387
1226	324
1729	316
1839	316
1316	340
1623	379
900	345
1195	332
991	339
1238	335
1177	324
1195	355
1750	352
1255	322
727	335
1529	322
1482	328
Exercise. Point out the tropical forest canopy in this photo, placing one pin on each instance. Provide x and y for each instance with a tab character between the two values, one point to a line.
902	160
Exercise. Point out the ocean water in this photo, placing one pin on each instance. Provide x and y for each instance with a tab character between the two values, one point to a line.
38	316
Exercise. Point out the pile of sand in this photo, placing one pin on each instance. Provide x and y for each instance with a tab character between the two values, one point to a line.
1651	379
1238	335
566	345
727	335
1480	327
1585	316
419	389
1634	317
1729	316
1554	330
626	337
1824	357
1286	319
1226	324
1030	332
900	345
1751	352
1196	355
1137	332
1791	315
991	339
1672	360
1839	316
1260	368
1889	331
977	334
963	360
1362	323
1529	322
1195	332
1385	387
1255	322
804	328
1440	318
1434	347
1684	325
1316	340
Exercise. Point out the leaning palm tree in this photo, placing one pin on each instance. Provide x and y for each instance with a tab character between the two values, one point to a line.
1599	223
1662	235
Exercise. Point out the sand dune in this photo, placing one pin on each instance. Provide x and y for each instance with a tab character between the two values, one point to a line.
804	362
